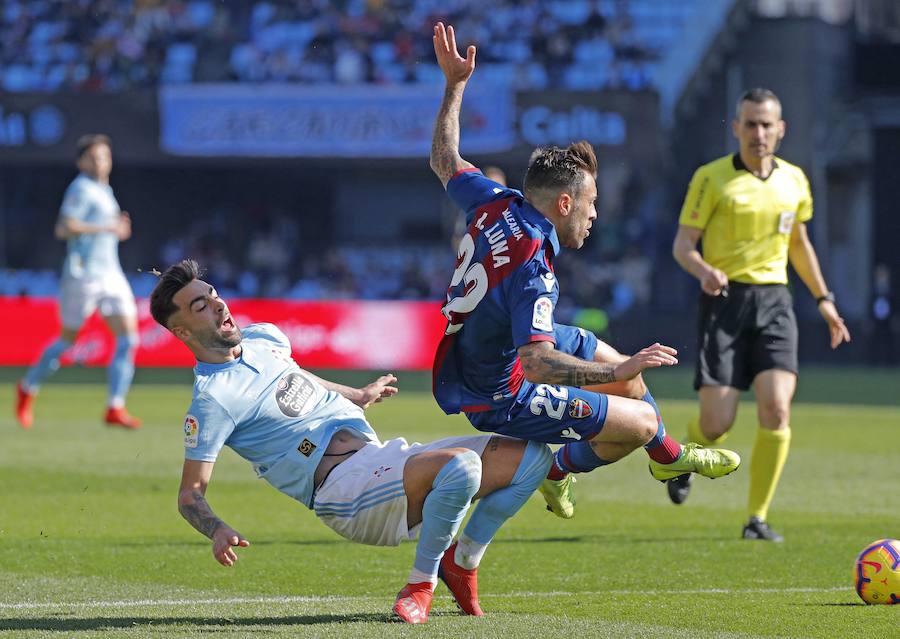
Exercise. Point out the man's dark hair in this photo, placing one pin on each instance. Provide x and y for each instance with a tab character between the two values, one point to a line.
757	95
173	280
85	142
553	169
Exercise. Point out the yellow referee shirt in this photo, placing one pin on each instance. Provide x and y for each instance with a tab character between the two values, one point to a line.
747	221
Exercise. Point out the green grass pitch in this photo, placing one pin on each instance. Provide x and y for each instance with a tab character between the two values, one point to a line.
91	543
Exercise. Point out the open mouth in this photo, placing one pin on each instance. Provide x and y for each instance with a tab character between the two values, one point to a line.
228	324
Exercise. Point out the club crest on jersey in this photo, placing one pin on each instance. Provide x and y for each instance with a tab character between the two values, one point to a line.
579	409
191	431
542	318
293	393
306	447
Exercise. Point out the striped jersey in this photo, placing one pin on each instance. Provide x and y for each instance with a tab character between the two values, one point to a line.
501	295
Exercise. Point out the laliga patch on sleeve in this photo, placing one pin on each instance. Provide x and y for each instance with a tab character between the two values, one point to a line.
542	318
191	431
786	221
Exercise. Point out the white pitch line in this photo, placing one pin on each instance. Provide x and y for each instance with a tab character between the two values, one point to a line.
137	603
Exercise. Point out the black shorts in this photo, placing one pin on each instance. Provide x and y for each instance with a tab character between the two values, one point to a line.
751	330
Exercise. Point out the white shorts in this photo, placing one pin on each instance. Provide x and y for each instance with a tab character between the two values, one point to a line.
79	297
363	500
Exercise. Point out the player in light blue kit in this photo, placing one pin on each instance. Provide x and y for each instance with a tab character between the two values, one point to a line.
309	439
92	223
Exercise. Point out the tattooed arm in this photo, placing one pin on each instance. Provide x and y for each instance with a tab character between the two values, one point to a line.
445	158
543	364
194	508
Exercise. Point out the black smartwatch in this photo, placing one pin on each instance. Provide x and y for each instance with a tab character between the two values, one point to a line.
828	297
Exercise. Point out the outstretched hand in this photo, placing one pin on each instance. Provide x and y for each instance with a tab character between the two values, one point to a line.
651	357
377	391
456	68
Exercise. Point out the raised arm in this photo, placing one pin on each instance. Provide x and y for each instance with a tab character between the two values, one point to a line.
543	364
803	258
445	158
367	395
684	250
194	508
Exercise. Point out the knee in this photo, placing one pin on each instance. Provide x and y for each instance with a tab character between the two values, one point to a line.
647	424
541	453
536	460
462	470
774	415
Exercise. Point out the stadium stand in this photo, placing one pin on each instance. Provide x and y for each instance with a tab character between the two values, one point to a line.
112	45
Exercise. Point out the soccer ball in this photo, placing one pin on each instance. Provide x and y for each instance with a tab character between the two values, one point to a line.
877	572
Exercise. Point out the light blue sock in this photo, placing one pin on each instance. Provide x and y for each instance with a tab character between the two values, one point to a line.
492	511
46	365
121	369
444	509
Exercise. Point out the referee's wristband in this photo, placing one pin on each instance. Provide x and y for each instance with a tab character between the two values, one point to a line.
828	297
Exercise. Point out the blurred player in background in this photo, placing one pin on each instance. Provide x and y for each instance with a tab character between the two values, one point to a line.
503	361
308	438
92	224
751	210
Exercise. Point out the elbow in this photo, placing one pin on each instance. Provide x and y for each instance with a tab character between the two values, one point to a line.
439	171
185	498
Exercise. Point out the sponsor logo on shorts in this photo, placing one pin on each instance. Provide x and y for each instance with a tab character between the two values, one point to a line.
568	433
293	393
306	447
542	319
191	431
579	409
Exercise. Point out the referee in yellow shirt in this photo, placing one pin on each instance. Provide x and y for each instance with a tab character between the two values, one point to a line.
751	210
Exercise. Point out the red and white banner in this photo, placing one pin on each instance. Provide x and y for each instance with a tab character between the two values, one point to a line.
348	335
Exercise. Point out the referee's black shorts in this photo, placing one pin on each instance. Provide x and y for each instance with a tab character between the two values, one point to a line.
752	330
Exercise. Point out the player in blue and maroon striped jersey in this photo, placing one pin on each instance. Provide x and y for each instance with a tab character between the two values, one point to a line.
504	361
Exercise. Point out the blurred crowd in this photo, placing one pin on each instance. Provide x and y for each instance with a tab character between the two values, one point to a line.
613	272
115	45
112	45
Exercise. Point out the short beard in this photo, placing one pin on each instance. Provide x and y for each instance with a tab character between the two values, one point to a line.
216	341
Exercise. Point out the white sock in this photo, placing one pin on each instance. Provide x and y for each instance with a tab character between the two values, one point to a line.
418	577
468	552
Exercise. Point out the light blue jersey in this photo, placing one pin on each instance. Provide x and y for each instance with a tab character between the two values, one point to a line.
269	411
92	254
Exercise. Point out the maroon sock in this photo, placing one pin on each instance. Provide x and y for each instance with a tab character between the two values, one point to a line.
555	473
666	452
